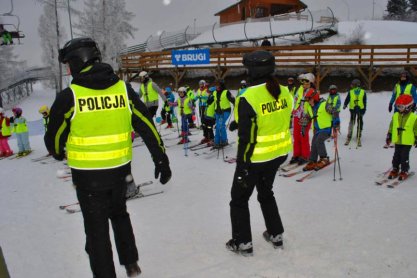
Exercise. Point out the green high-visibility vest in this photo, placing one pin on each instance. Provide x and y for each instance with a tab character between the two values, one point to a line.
224	101
202	96
210	112
324	119
356	100
150	94
407	90
403	131
184	107
20	126
5	129
273	137
100	134
334	102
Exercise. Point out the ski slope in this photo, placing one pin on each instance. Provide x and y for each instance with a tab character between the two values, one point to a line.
347	228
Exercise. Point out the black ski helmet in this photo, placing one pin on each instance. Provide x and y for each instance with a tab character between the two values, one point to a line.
79	53
260	63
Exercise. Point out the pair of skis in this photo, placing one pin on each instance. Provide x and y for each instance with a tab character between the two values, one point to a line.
306	176
391	183
72	208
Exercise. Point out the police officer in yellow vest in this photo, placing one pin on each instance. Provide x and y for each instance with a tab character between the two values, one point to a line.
149	92
356	100
264	143
403	87
93	120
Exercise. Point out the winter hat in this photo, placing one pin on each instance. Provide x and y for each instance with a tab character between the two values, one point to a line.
18	111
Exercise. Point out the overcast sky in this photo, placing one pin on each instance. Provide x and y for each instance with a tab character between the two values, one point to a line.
170	15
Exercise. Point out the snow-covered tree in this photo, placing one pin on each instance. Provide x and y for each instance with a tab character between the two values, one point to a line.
413	5
397	8
51	34
108	23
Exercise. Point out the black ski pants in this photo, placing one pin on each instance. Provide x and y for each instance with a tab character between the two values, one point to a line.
166	116
208	124
401	157
97	208
261	176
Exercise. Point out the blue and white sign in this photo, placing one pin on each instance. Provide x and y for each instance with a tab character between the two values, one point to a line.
190	57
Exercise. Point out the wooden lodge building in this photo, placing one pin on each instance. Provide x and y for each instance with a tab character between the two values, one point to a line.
258	8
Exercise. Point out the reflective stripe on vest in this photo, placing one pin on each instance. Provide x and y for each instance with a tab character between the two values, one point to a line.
356	100
5	129
273	137
224	102
150	94
100	135
407	90
404	136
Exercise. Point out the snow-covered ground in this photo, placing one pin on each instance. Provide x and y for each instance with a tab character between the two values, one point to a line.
348	228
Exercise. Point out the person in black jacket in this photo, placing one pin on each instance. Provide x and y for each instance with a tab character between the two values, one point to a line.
90	123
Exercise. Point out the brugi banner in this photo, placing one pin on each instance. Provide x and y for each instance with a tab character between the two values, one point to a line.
190	57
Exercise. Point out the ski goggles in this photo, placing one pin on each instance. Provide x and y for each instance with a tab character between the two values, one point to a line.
304	81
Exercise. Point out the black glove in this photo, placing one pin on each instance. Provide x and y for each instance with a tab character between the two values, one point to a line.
390	107
162	167
388	139
344	107
241	174
59	157
233	126
415	142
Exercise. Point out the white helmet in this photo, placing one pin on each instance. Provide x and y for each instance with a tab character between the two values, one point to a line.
202	82
243	82
182	90
143	74
310	77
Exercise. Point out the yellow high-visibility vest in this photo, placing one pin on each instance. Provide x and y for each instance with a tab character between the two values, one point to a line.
100	134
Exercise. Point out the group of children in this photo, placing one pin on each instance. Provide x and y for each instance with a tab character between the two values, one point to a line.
17	124
323	115
214	109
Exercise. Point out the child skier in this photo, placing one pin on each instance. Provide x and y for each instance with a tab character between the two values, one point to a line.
186	108
21	130
44	110
167	110
5	133
202	96
208	119
403	133
334	104
322	127
356	99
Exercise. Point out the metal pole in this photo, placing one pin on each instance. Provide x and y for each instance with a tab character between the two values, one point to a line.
69	15
373	9
57	44
348	9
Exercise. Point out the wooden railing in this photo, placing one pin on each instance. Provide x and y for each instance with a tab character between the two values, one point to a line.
368	60
289	56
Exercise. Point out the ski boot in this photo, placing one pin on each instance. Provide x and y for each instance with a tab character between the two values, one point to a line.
302	161
347	141
403	175
393	174
244	249
310	166
359	142
277	241
323	162
133	270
